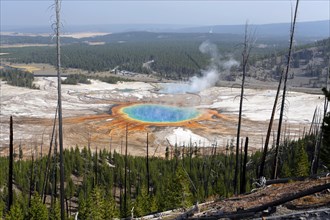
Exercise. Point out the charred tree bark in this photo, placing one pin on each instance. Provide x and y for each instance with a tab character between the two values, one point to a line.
11	163
284	94
243	184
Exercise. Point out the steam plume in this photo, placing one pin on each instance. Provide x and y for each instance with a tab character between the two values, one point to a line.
218	65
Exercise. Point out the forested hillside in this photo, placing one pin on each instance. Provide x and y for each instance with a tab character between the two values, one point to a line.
107	184
169	59
177	56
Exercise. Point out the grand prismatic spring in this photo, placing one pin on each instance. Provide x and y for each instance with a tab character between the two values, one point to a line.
153	113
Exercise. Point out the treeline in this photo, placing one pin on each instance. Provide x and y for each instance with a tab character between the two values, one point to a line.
103	184
6	39
74	79
169	58
17	77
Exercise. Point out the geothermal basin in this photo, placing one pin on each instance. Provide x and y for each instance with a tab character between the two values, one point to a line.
155	113
208	118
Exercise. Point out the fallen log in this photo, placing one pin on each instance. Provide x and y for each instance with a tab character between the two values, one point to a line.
302	178
255	210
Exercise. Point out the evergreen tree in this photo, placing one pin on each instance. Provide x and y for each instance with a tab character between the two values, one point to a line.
286	172
111	210
301	167
15	213
2	206
38	210
55	214
142	203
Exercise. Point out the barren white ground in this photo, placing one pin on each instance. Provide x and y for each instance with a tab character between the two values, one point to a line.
98	97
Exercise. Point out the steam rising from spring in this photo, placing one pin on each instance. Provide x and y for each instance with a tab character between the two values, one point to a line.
217	67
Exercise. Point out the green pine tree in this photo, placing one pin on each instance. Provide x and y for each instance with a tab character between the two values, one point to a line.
15	213
37	211
286	172
55	214
111	210
301	167
142	203
2	206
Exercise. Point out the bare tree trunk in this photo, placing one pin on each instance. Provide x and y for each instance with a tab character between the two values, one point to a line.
148	174
43	193
11	161
245	55
264	155
125	178
243	184
54	177
31	179
283	95
319	139
313	121
60	131
95	167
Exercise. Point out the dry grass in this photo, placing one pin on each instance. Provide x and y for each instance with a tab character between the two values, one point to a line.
26	68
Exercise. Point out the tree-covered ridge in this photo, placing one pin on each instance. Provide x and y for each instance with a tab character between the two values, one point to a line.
95	181
174	58
168	59
17	77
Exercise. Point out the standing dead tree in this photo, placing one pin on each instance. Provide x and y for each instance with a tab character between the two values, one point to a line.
59	99
247	46
125	179
264	155
315	162
43	193
243	184
148	174
275	167
11	164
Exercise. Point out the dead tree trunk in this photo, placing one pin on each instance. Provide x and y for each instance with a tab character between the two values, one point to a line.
60	132
96	168
252	211
148	174
31	178
245	57
125	178
243	184
43	193
316	159
54	174
284	94
11	163
264	155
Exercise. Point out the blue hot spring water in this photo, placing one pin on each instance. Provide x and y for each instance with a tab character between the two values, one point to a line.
160	113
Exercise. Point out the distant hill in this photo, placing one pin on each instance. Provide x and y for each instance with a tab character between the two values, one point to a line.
317	29
312	29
